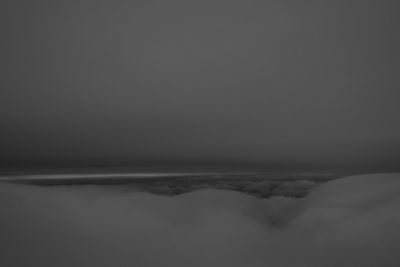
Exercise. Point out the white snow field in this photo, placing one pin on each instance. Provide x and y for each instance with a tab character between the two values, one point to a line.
353	221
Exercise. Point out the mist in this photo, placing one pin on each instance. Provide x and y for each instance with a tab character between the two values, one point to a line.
353	221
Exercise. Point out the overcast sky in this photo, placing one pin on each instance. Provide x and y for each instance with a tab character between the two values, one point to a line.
211	80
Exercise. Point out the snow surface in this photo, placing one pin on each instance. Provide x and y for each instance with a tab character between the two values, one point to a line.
353	221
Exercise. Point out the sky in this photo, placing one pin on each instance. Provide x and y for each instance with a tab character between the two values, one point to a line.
270	82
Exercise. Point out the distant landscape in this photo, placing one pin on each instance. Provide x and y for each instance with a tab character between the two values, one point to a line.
259	184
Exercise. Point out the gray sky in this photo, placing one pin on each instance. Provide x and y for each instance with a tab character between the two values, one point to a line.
212	80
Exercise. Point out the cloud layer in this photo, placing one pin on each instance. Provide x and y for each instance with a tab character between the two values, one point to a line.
352	221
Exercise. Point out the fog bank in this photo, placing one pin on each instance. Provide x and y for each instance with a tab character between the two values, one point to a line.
353	221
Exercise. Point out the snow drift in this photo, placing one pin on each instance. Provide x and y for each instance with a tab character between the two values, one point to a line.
353	221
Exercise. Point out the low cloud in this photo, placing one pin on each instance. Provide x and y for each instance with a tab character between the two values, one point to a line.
352	221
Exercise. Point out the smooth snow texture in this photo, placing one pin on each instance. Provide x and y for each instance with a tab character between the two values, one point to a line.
353	221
